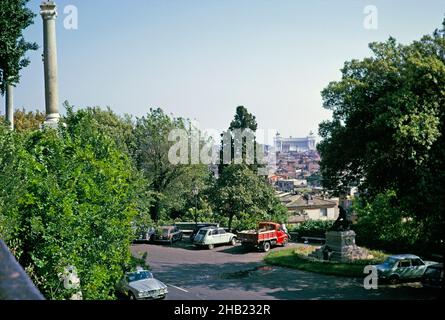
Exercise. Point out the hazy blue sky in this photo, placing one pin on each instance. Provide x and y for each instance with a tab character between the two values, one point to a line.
201	59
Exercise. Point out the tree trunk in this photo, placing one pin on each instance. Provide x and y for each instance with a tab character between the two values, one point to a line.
10	105
154	210
230	221
196	216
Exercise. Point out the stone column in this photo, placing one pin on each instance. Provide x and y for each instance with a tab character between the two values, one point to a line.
49	14
10	105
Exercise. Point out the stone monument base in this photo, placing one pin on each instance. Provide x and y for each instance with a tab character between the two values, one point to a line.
340	246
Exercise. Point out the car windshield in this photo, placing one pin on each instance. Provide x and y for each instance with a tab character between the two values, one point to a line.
202	232
165	231
136	276
389	262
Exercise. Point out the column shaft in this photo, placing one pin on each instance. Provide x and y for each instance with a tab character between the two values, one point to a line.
48	12
10	105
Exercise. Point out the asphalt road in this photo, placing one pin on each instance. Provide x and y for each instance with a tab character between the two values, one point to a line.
231	273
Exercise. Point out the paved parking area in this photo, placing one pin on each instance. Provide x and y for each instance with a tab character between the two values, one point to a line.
231	273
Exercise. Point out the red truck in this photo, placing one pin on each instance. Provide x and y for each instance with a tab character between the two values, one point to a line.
268	234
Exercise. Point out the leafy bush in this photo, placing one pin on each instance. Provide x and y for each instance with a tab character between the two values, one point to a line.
382	224
312	228
70	200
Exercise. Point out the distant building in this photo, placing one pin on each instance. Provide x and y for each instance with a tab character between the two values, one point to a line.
285	145
304	208
290	184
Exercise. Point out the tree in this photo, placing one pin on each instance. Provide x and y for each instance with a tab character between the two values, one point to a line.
241	132
119	128
384	225
240	193
170	183
387	130
14	18
243	120
73	204
27	121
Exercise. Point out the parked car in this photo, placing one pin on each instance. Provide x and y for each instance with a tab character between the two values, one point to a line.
141	285
199	226
211	236
145	234
168	234
402	267
267	234
433	277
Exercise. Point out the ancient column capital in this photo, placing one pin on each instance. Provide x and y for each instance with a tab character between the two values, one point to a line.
48	10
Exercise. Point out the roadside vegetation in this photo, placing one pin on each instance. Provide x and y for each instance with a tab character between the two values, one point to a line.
72	196
386	138
75	196
312	228
297	258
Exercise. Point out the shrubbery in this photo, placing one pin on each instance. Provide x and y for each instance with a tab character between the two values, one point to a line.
312	228
382	224
67	199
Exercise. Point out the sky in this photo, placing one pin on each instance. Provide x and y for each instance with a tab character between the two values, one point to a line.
200	59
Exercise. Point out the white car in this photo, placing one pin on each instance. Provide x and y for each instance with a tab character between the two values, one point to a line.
140	285
211	236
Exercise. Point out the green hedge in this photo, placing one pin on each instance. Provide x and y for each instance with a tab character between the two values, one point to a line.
312	228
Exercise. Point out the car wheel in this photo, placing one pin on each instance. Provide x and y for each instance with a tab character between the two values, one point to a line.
266	246
394	279
211	246
233	241
131	296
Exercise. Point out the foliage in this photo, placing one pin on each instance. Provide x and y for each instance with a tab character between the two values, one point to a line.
14	18
73	206
171	184
297	258
26	121
313	228
119	128
11	185
203	214
245	122
240	193
387	133
314	180
383	225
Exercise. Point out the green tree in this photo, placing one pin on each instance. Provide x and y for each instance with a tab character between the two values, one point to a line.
385	225
243	122
73	206
387	129
119	128
14	18
171	184
241	194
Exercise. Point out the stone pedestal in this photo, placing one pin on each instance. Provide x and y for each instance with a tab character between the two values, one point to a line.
340	246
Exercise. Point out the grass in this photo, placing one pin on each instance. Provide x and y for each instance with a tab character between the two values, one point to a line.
297	258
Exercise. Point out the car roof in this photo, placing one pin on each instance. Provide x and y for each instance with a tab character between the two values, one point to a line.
404	256
210	228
